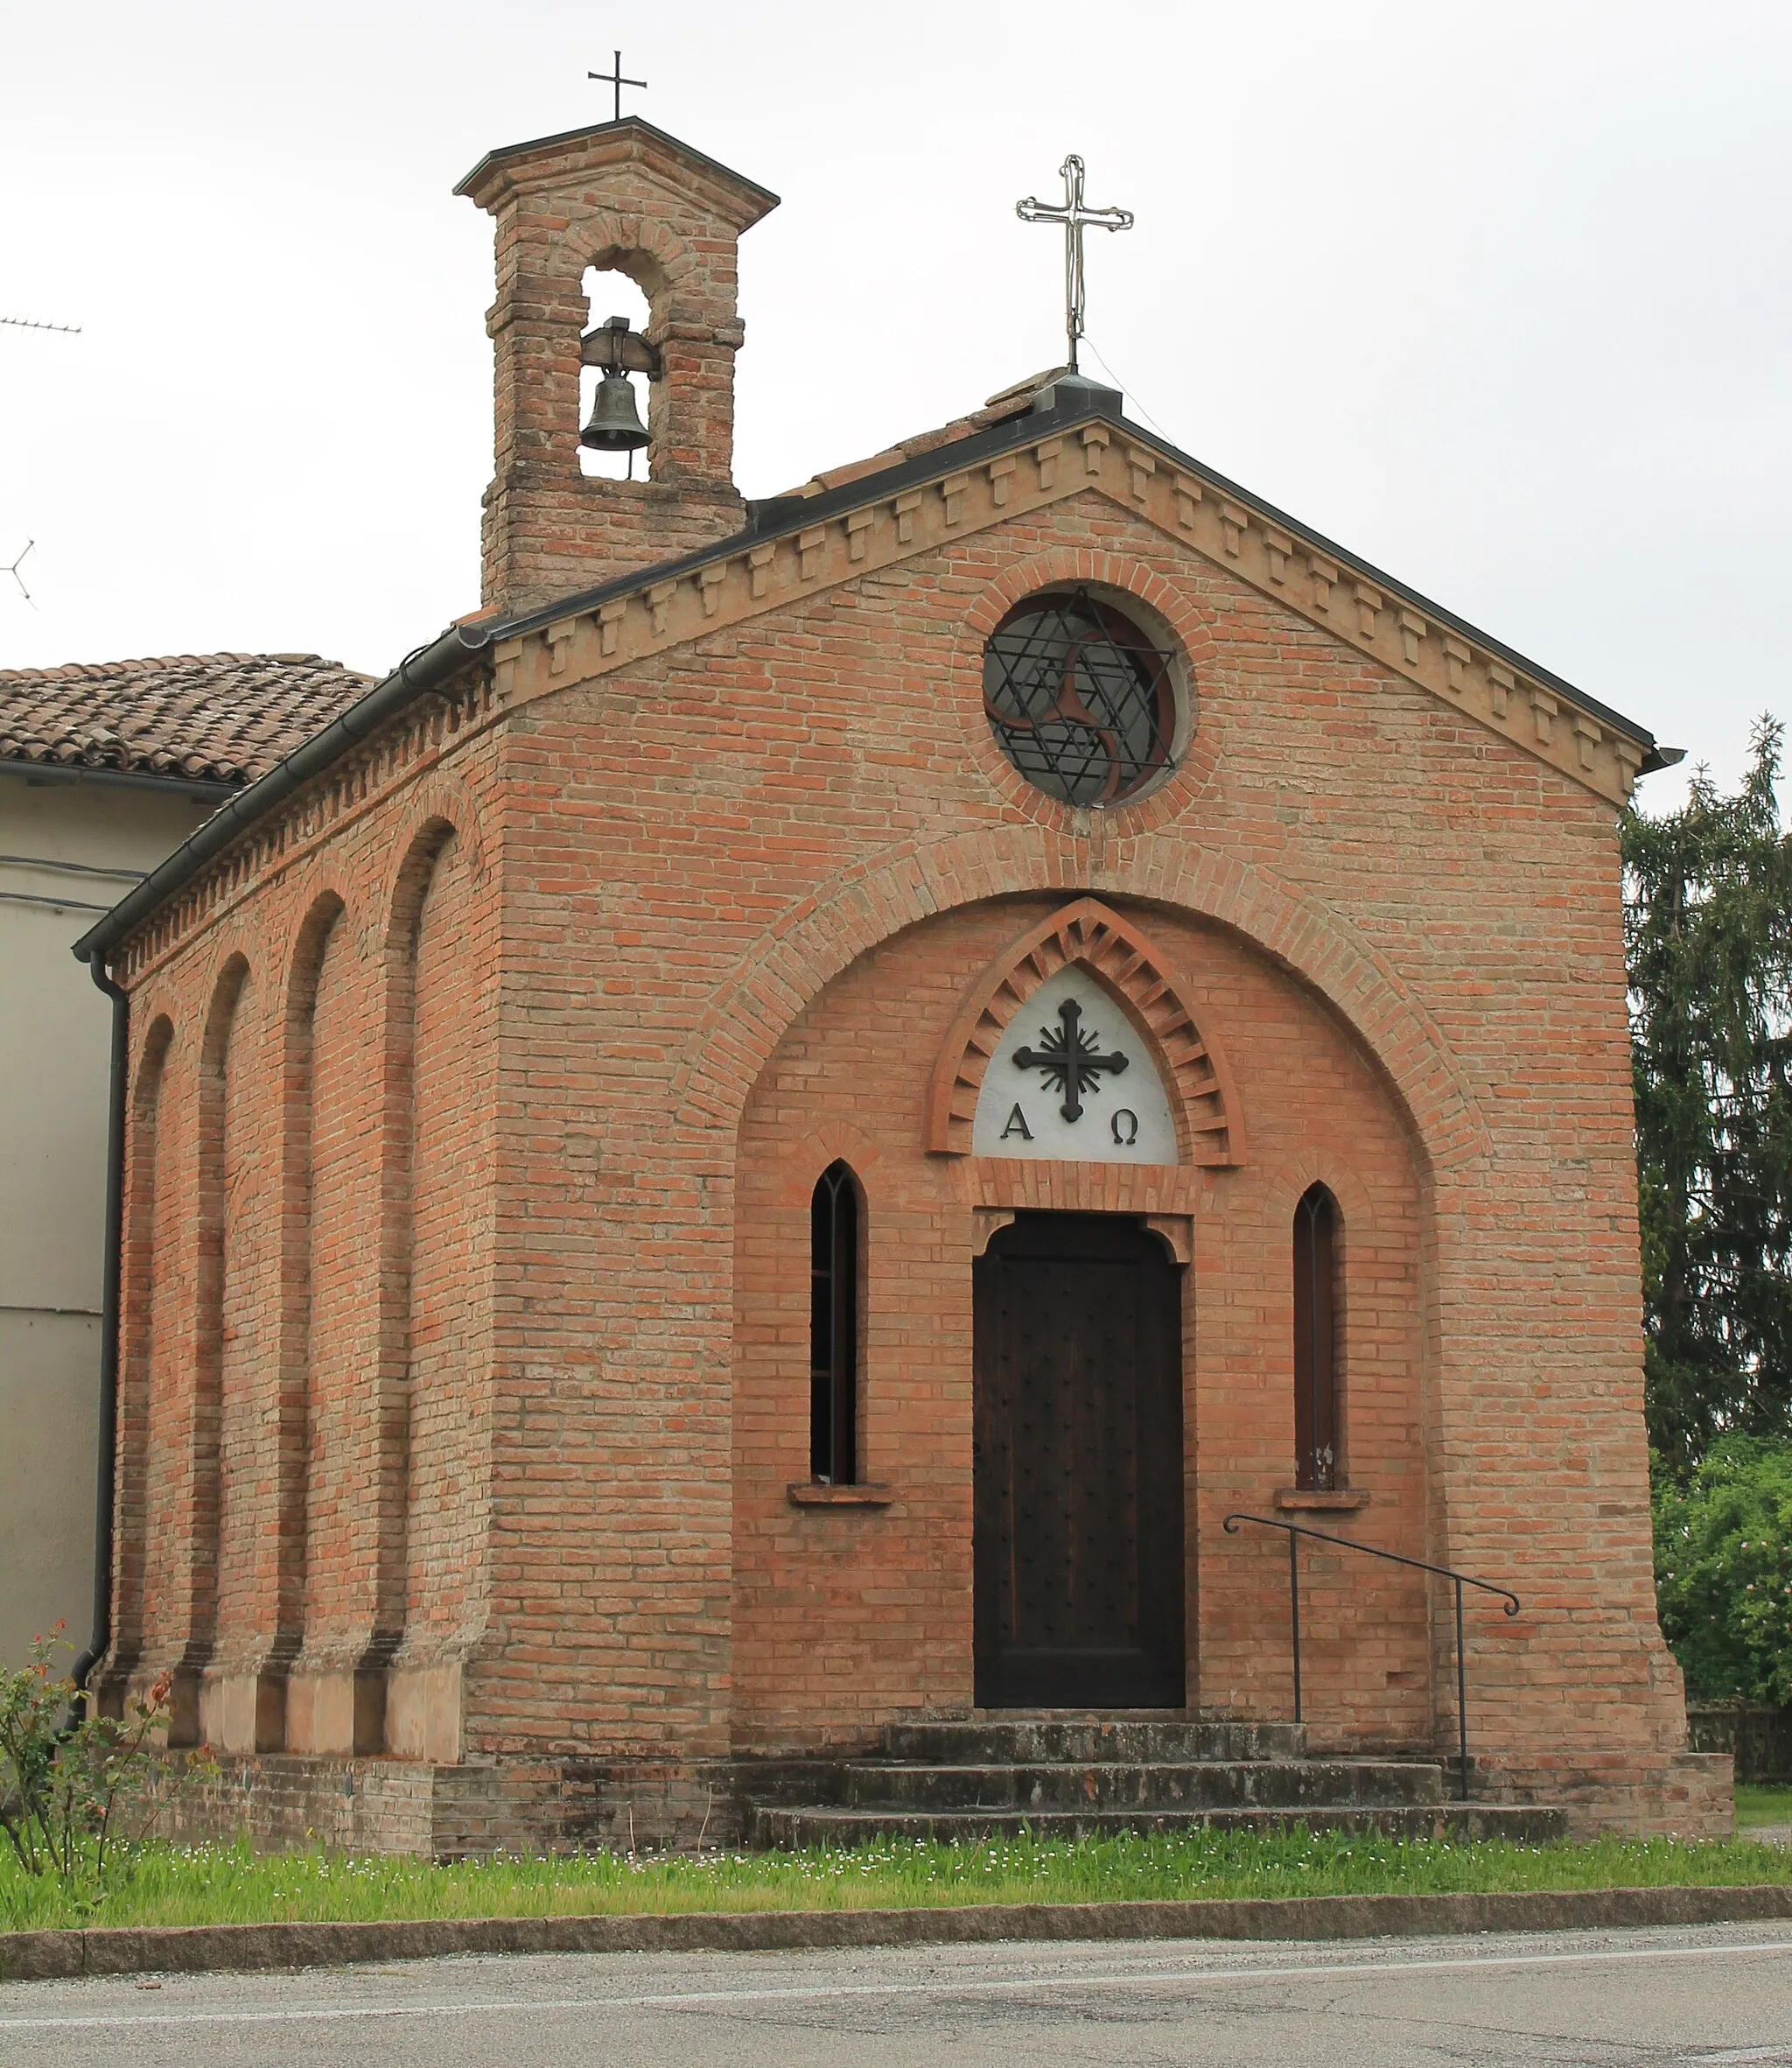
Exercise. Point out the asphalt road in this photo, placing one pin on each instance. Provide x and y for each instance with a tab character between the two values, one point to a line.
1717	1995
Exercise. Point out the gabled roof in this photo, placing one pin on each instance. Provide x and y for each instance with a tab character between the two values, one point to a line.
1067	403
1017	401
1015	421
210	719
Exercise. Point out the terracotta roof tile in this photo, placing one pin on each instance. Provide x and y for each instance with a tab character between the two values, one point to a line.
201	718
1011	402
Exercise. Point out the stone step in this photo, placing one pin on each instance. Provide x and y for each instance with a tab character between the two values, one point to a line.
789	1827
1038	1740
869	1783
1132	1784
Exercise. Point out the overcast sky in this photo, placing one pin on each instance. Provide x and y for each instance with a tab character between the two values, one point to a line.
1498	296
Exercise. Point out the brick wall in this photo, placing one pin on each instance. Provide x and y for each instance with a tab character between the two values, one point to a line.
845	1617
366	1804
695	892
307	1300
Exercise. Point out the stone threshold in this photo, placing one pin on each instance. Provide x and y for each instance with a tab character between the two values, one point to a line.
36	1956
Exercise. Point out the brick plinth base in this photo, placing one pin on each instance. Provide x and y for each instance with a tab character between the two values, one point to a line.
373	1806
364	1805
1677	1794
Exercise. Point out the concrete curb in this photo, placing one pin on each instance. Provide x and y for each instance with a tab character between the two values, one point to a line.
30	1956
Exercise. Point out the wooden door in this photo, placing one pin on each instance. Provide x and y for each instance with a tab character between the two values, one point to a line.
1078	1556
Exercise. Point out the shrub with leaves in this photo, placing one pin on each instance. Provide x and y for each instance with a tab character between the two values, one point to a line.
72	1782
1723	1571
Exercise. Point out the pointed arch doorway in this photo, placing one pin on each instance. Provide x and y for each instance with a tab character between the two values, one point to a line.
1078	1550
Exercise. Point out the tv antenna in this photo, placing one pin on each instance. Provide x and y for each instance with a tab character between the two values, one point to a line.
18	578
68	330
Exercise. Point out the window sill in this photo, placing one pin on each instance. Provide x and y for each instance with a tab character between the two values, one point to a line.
811	1493
1338	1501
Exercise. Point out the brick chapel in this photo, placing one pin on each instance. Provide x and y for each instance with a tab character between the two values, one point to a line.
766	1144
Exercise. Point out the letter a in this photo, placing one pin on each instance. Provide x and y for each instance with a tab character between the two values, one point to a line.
1017	1125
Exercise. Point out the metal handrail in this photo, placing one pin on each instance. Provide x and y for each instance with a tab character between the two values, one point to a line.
1296	1530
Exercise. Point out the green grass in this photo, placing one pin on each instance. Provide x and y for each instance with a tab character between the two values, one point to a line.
204	1885
1762	1806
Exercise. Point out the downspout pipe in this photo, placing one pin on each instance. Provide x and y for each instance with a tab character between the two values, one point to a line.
105	1495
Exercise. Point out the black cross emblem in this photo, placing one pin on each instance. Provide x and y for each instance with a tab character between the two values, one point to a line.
1069	1060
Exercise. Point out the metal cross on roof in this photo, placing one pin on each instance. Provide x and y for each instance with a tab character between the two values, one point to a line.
614	78
1069	1060
1073	216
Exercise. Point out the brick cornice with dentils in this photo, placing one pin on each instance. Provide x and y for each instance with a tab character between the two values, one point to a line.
397	758
1019	468
747	576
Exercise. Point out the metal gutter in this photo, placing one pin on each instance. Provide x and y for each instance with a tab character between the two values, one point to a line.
417	672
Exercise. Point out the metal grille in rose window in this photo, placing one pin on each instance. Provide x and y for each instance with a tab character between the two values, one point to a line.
1080	699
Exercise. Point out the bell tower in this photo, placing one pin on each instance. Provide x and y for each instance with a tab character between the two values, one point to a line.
624	197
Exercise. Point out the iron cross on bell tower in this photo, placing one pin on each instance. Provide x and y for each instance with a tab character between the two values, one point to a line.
1075	217
614	77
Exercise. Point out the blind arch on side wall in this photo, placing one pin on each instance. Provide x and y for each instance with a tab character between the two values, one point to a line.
139	1426
218	1242
436	1476
319	940
416	896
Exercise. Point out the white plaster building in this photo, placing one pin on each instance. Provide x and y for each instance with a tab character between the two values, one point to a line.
104	771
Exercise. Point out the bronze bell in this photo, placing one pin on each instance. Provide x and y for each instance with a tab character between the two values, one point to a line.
615	425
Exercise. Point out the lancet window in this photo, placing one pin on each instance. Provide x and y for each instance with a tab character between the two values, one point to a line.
1316	1464
834	1304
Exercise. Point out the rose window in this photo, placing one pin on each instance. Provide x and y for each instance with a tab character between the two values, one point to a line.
1080	699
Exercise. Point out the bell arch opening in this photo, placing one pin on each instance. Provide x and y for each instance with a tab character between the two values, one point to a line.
614	402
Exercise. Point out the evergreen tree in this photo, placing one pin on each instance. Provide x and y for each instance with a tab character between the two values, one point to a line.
1708	924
